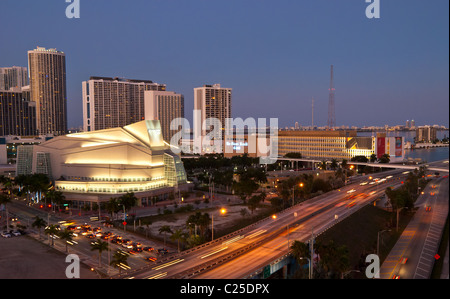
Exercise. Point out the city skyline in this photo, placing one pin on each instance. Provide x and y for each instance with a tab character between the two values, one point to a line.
276	57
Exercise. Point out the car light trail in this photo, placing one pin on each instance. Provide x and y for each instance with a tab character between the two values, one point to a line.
257	233
233	240
157	276
214	252
168	264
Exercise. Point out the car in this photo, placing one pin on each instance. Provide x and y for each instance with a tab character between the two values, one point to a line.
135	250
149	249
396	277
116	240
428	208
5	234
150	259
403	260
162	251
16	233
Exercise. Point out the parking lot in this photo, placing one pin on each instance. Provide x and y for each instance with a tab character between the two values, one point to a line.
22	257
140	251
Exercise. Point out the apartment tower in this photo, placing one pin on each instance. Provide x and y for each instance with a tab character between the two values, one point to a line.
168	108
114	102
47	70
11	77
214	105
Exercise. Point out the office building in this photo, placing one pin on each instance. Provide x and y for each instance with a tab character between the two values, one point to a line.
167	107
13	77
339	145
114	102
95	166
47	71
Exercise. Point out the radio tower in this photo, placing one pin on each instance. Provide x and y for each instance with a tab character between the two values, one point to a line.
331	116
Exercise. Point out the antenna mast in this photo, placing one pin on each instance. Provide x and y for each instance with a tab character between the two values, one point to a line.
331	115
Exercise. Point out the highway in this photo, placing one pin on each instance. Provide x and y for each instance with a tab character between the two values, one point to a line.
420	240
239	254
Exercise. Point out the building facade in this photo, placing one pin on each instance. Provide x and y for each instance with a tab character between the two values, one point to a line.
47	71
426	134
167	107
13	77
214	104
114	102
339	145
17	114
95	166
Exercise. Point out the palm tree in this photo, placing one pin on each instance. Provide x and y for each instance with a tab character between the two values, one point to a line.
128	200
178	236
55	197
118	260
39	223
100	246
67	236
112	206
4	200
165	229
52	231
300	251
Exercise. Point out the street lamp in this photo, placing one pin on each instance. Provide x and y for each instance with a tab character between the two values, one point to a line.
223	211
378	240
310	265
293	192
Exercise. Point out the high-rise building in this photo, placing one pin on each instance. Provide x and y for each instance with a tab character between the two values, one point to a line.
17	114
11	77
214	104
47	69
408	124
114	102
167	107
425	134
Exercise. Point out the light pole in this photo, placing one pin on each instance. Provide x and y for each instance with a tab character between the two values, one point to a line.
378	240
222	212
293	193
310	265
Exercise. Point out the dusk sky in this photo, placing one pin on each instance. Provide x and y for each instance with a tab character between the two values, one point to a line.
276	55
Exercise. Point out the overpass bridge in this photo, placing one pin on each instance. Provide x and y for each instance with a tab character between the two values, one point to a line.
438	166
